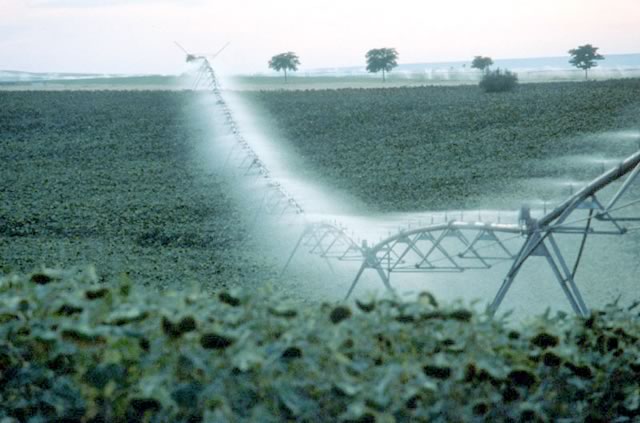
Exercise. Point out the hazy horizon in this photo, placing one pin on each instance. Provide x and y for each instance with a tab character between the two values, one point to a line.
137	37
623	62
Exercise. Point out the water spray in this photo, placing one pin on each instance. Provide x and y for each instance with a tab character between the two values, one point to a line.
453	245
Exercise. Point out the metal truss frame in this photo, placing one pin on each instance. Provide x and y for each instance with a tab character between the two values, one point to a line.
327	240
539	239
455	245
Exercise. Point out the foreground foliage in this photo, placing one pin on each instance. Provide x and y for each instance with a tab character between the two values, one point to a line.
73	349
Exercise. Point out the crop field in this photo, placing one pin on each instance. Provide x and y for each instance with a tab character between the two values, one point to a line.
112	178
133	289
119	83
439	148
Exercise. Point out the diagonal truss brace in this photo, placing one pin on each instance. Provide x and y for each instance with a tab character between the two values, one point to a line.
538	244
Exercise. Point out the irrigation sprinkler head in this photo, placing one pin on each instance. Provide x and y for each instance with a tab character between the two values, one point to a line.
190	57
524	217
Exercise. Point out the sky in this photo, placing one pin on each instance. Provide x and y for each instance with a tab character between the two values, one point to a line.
137	36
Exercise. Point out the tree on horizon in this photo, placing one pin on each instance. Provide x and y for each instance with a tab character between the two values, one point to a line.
381	59
482	63
584	57
284	61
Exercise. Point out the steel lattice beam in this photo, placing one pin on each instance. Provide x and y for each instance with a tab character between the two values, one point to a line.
538	235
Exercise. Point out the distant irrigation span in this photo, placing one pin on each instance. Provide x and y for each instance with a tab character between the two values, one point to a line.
276	199
602	207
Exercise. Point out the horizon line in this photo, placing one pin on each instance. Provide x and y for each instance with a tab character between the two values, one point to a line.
116	74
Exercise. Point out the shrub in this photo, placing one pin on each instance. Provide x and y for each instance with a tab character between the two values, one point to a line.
497	81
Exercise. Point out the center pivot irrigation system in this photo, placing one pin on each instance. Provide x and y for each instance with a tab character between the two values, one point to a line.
276	199
456	245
